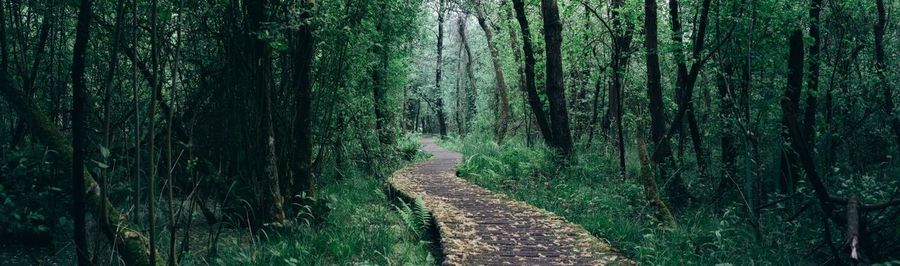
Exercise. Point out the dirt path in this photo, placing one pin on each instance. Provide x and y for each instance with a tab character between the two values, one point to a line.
480	227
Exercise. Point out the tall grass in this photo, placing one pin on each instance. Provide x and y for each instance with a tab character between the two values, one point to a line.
363	227
589	192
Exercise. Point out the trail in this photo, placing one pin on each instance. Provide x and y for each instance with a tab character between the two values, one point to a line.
480	227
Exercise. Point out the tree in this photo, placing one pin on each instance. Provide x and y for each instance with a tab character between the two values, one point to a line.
80	97
559	115
654	80
537	107
303	50
261	57
439	103
499	78
621	45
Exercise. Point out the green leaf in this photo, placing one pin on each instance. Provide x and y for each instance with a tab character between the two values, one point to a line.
101	165
104	152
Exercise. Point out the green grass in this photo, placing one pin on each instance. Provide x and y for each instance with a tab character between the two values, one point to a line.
363	227
588	192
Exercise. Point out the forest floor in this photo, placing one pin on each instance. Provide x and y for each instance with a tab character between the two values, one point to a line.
478	226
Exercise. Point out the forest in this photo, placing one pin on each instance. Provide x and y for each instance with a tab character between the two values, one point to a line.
455	132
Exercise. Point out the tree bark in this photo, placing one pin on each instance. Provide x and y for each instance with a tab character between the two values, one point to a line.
537	107
621	44
499	78
383	119
439	103
462	106
812	82
271	206
156	87
80	98
556	92
471	91
303	50
654	83
790	105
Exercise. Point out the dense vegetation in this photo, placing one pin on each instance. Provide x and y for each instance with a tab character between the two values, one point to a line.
261	132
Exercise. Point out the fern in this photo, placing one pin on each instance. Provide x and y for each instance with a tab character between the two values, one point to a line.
416	216
423	217
406	214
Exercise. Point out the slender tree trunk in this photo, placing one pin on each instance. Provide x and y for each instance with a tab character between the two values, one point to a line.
537	107
107	104
556	92
439	103
155	85
499	78
383	119
471	91
621	44
654	83
170	169
460	108
303	47
80	100
135	91
812	82
684	95
271	206
791	106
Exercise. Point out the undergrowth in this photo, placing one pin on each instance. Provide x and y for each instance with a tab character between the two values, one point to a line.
589	192
363	227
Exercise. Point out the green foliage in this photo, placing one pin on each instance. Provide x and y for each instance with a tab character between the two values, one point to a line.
415	214
28	198
361	229
590	194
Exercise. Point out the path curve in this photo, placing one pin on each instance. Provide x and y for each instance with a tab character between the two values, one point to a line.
480	227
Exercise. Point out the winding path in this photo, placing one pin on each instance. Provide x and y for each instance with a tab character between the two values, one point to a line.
480	227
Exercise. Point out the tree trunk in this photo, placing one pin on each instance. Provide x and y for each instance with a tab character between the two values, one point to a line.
812	83
383	119
151	179
439	103
621	44
790	104
303	51
462	106
471	92
648	180
80	98
556	89
271	206
499	78
684	94
654	83
537	107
